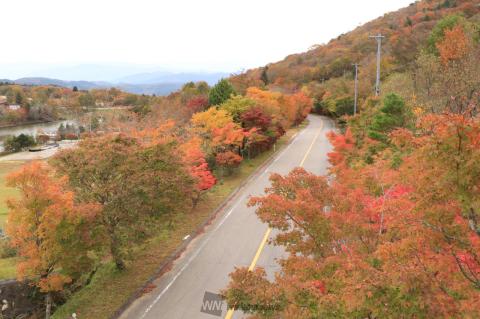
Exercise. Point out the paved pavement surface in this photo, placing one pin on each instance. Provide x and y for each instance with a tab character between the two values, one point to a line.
29	156
233	239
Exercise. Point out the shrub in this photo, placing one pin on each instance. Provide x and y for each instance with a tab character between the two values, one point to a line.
17	143
6	250
71	136
228	161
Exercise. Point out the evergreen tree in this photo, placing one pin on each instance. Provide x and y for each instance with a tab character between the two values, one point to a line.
220	92
265	75
392	115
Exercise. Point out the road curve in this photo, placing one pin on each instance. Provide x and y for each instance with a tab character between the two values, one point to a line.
233	239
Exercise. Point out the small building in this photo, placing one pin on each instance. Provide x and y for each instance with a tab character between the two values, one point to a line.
14	107
3	100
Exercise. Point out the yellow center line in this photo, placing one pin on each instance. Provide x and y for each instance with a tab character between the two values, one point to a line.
269	230
311	146
259	250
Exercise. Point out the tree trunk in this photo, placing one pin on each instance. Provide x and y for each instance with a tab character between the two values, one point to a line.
48	305
195	200
116	253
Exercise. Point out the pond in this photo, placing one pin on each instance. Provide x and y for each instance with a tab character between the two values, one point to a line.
31	129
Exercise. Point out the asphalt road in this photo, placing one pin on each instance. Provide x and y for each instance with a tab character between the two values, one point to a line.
233	239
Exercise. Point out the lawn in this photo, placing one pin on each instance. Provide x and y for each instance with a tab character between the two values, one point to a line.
6	192
7	268
109	288
7	265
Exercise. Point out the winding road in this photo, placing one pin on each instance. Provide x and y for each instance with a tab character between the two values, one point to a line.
236	238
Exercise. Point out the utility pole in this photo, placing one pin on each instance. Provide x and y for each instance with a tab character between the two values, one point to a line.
379	38
356	65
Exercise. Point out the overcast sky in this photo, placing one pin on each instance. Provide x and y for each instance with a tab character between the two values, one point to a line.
223	35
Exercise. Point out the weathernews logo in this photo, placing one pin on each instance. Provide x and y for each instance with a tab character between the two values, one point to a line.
213	304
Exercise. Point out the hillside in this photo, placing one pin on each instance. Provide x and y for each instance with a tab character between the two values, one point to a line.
405	31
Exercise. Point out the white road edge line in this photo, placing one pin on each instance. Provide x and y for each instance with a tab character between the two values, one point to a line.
160	295
185	266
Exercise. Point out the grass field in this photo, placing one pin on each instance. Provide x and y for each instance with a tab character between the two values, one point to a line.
6	192
109	288
7	265
7	268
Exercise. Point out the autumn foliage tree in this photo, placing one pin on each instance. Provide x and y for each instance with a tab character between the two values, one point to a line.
198	167
285	110
454	45
248	125
197	104
228	161
236	106
447	77
49	230
378	241
134	185
218	132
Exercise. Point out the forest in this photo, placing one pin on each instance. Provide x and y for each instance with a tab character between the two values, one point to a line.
20	104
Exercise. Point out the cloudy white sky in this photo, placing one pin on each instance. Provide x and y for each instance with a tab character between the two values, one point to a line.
211	35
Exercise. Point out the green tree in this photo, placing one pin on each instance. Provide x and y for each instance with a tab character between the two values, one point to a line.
344	106
264	75
19	98
391	115
86	99
408	22
17	143
221	92
202	87
236	106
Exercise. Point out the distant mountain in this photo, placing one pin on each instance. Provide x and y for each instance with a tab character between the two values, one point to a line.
81	85
158	83
164	76
138	79
92	72
150	89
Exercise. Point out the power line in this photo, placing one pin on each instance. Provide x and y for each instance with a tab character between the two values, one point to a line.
379	38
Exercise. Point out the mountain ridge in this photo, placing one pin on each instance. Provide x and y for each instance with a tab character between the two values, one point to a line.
158	83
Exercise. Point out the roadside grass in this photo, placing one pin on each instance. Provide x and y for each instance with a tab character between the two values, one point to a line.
110	288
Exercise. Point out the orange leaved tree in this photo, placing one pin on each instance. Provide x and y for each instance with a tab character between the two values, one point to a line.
48	230
381	240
